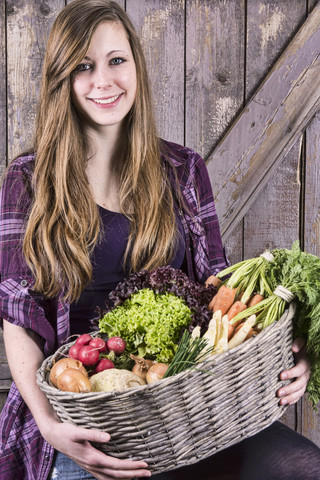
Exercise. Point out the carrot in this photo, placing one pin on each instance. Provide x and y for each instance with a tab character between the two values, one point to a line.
212	302
255	299
231	331
236	308
224	299
213	280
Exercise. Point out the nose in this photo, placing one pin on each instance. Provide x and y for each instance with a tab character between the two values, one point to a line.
103	78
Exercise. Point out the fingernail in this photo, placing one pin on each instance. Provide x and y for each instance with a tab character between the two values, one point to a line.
104	437
284	376
281	393
284	401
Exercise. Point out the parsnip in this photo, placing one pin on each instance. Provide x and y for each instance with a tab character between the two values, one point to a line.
196	332
241	334
222	343
212	333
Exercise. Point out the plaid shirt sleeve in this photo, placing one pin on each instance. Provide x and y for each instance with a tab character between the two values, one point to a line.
18	303
24	455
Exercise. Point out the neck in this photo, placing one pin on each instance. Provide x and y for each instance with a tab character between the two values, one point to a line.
104	148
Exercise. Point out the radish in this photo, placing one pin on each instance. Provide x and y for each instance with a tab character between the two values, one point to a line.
74	351
99	344
103	364
88	355
116	345
84	339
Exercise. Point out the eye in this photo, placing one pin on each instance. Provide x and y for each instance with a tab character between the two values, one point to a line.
117	61
82	67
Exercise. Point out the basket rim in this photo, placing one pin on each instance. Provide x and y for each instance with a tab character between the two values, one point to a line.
216	359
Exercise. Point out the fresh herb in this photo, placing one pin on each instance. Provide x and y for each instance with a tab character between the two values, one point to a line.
190	351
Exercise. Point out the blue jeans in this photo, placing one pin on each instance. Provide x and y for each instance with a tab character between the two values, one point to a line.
63	468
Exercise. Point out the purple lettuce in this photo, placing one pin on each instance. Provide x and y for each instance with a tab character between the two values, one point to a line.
167	280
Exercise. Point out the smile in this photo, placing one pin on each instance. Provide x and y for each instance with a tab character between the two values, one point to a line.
105	101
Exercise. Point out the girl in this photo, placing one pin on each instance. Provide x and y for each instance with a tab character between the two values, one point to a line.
98	196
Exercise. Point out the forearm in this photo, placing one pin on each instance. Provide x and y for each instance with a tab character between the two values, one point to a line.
25	356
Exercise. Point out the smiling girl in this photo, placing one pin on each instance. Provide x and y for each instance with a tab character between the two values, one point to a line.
99	196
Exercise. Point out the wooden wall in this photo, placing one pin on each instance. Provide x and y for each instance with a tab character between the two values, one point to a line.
206	59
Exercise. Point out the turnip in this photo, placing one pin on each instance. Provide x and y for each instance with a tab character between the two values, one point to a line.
84	339
116	345
103	364
99	344
88	355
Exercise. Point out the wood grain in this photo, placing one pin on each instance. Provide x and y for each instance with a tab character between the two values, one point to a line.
268	127
160	24
28	25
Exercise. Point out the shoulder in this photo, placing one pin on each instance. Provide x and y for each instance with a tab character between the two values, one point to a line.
16	186
188	164
179	155
20	169
23	164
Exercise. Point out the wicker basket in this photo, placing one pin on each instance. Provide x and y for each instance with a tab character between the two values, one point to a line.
192	415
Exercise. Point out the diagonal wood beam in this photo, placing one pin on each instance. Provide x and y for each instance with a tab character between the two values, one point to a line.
268	126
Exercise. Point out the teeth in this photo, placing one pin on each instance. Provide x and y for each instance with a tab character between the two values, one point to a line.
105	101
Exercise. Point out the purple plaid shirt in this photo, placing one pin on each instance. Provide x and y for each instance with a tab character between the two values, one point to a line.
24	455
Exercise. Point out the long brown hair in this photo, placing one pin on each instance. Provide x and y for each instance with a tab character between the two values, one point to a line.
64	224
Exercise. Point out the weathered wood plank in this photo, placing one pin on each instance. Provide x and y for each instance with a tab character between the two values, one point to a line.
161	27
310	418
270	26
214	69
214	77
3	90
28	25
267	128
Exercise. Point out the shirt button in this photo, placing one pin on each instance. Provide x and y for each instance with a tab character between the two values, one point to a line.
24	283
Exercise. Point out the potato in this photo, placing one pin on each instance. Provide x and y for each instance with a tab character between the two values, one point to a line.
115	379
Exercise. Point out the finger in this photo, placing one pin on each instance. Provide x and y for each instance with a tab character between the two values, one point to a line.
299	384
298	344
119	474
127	474
302	368
91	435
291	399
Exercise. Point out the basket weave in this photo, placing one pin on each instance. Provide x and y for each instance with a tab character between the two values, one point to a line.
190	416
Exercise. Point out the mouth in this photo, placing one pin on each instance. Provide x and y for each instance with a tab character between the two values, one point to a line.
105	101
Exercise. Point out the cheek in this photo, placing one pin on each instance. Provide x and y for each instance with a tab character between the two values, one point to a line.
132	83
78	87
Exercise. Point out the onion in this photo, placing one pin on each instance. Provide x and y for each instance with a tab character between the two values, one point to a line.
156	372
141	366
62	365
73	380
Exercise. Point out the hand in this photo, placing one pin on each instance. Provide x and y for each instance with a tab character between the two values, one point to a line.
75	441
291	393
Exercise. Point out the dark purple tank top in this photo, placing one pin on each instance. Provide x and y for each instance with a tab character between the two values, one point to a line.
108	269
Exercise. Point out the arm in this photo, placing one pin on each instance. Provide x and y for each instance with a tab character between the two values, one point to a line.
25	357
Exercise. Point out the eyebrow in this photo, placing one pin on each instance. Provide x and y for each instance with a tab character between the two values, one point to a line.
109	54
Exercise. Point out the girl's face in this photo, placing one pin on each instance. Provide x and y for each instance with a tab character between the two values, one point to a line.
104	84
